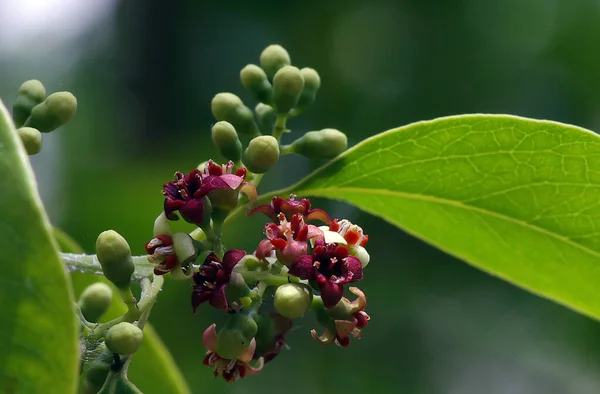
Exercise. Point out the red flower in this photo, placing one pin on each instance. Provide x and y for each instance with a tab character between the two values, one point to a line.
160	249
211	279
354	320
231	370
331	267
289	208
352	233
288	239
185	194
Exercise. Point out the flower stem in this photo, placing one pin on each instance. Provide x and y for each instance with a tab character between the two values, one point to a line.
89	264
279	127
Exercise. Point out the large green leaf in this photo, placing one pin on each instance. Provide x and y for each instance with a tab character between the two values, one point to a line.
518	198
38	331
152	369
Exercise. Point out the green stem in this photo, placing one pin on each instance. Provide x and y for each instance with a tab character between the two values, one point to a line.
279	127
286	149
89	264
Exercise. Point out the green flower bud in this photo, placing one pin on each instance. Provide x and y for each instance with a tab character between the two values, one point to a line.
98	371
287	86
312	83
235	336
323	144
265	337
30	94
273	58
255	80
55	111
32	139
95	301
114	255
261	154
124	338
292	300
266	116
226	140
229	107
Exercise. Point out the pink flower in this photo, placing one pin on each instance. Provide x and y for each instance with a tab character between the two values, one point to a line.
160	249
289	208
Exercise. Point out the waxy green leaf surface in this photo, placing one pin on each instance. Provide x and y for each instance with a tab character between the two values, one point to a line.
39	350
518	198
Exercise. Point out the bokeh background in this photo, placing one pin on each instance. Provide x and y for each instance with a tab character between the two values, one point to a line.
144	73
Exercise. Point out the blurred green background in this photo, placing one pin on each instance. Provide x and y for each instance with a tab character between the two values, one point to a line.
144	73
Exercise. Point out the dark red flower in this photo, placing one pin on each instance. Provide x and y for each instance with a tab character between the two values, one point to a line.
211	279
289	208
288	239
185	194
349	321
331	266
161	253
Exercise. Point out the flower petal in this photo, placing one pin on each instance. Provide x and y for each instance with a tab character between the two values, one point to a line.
231	258
354	268
247	355
250	191
326	338
209	338
331	293
303	268
264	249
318	214
218	299
192	211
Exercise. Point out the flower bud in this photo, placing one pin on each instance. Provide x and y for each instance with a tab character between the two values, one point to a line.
322	144
30	94
32	139
261	154
98	370
95	301
124	338
312	83
226	140
161	225
266	116
255	80
229	107
235	336
292	300
114	254
273	58
265	336
55	111
287	86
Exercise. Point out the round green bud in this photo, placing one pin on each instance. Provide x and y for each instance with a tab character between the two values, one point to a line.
266	116
292	300
323	144
32	139
312	83
261	154
124	338
255	80
30	94
226	140
55	111
95	301
273	58
229	107
287	86
235	336
114	254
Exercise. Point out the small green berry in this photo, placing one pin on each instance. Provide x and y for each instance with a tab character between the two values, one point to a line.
56	110
95	301
261	154
226	140
287	86
292	300
114	254
30	94
32	139
235	336
124	338
323	144
255	80
229	107
273	58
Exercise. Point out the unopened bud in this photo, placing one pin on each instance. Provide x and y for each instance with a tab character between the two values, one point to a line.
229	107
261	154
114	254
95	301
312	83
124	338
287	86
161	225
292	300
32	139
98	370
266	116
235	336
255	80
30	94
323	144
273	58
56	110
226	140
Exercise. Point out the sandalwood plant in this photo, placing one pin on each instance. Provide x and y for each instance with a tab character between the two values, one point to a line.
512	196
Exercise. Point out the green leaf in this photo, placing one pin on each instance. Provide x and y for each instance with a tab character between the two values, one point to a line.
152	368
38	347
518	198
